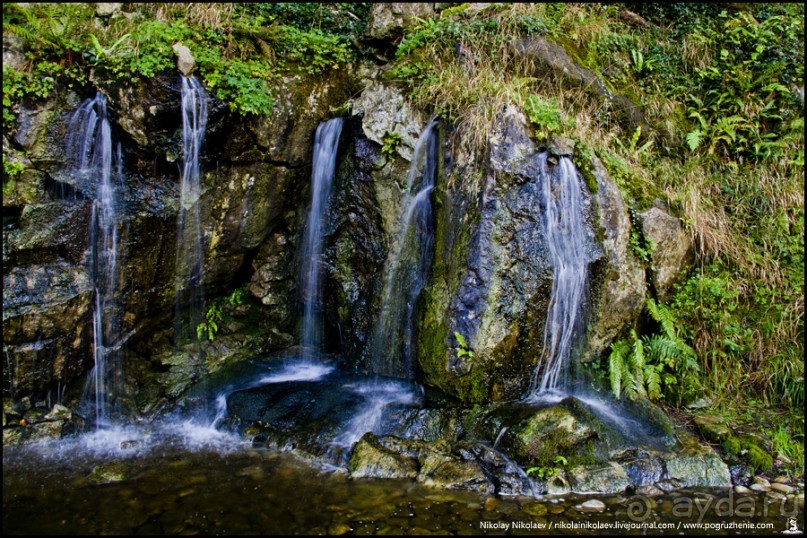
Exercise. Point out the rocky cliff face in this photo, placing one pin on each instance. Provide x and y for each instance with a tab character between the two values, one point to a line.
490	281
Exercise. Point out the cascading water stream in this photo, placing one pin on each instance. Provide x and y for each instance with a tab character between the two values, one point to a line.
326	143
410	257
90	143
567	237
189	273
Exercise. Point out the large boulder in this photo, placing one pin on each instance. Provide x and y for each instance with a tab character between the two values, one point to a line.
492	276
388	19
371	459
387	113
619	295
551	61
671	249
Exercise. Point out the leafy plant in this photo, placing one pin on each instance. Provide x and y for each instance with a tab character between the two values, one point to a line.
391	142
545	114
653	366
215	314
544	472
464	349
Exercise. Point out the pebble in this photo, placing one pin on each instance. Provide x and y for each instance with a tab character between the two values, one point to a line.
491	503
782	488
339	529
782	479
756	486
760	480
535	509
741	490
592	505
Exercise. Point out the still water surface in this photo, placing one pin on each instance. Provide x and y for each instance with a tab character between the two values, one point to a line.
198	481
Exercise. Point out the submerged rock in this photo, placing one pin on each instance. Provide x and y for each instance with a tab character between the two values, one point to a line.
591	505
115	471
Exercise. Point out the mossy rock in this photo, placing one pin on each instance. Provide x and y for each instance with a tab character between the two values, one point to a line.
731	445
115	471
712	428
758	458
371	459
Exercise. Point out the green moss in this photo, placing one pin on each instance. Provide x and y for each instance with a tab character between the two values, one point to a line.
582	159
731	446
758	458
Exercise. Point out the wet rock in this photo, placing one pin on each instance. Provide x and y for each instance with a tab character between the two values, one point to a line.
558	485
46	430
186	63
741	475
371	459
46	314
492	273
115	471
549	432
535	509
286	134
561	146
387	20
610	478
649	491
338	529
591	505
672	254
643	468
440	468
618	295
698	468
59	412
712	428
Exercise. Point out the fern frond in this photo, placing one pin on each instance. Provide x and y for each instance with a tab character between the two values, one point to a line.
616	364
664	317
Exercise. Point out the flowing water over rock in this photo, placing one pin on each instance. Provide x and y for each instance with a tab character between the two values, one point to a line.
90	142
567	236
189	277
393	343
326	143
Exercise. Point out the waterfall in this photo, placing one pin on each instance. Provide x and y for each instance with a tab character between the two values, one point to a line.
189	274
90	143
326	143
564	221
410	257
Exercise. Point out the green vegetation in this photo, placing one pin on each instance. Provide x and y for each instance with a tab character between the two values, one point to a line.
242	50
719	86
215	314
658	365
545	473
463	350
